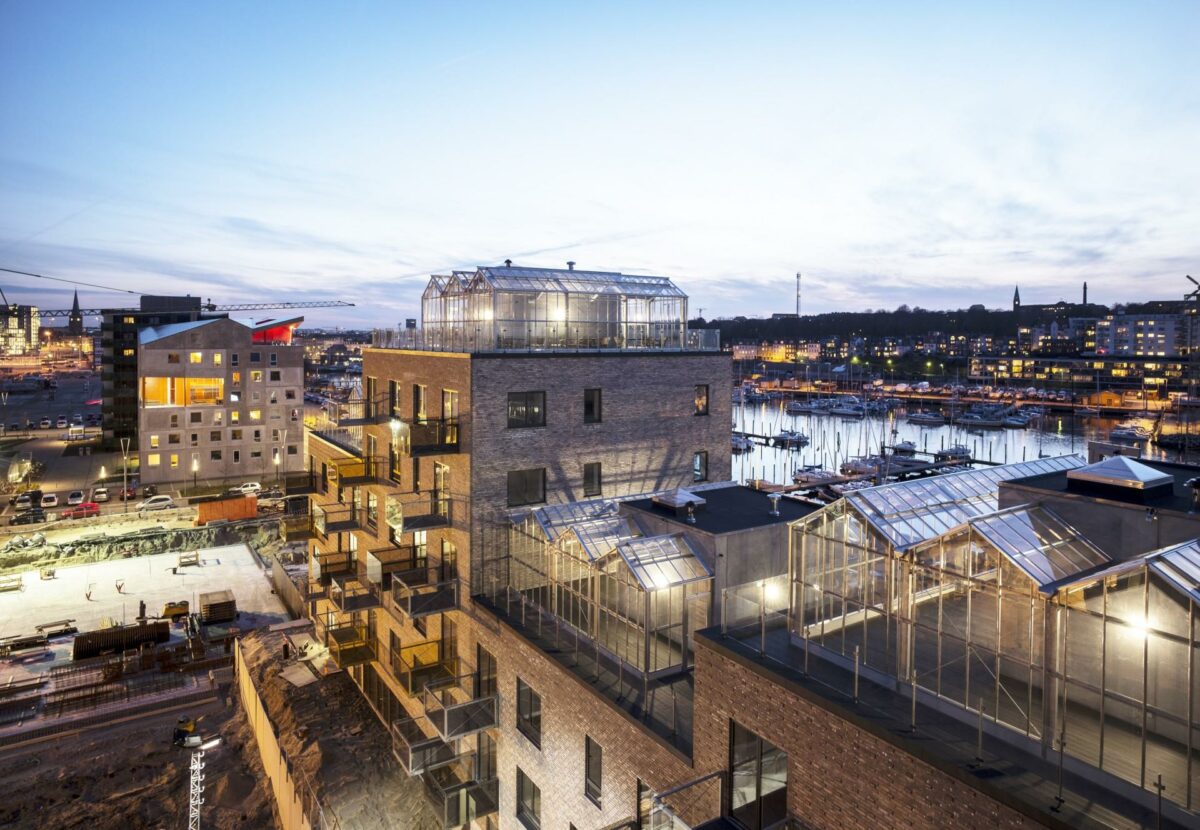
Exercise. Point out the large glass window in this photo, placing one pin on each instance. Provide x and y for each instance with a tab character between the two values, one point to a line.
758	780
700	466
529	713
591	479
529	802
702	399
526	487
526	409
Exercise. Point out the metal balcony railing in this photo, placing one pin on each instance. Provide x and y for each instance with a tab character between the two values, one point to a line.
434	436
384	563
458	709
419	592
346	439
336	518
417	752
430	510
363	412
325	564
348	594
349	644
456	795
361	469
421	665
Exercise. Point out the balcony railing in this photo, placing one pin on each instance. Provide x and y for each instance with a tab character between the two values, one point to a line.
421	665
361	469
361	412
350	644
430	510
336	519
457	796
384	563
349	594
568	339
434	436
419	592
416	751
325	564
458	709
347	440
695	804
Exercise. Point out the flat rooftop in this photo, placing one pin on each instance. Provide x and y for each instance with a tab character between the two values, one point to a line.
729	510
1178	499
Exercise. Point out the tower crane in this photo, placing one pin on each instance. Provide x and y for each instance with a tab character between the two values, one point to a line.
208	307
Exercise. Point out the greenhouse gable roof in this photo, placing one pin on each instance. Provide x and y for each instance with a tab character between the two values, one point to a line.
914	511
1048	550
513	278
1178	565
598	537
658	562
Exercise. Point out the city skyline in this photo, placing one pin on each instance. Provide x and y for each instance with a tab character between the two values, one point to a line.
934	158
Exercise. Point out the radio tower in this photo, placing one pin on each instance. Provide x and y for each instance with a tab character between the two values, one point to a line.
797	295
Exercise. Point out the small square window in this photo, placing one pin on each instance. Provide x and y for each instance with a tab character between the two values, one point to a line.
153	442
256	357
153	459
215	436
195	358
526	409
215	455
255	414
172	357
275	376
195	417
216	359
235	417
256	376
526	487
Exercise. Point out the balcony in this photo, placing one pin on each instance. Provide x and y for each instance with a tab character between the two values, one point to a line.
417	752
458	709
433	436
349	594
346	440
325	564
338	518
383	563
416	594
457	796
349	644
361	469
421	665
430	510
361	412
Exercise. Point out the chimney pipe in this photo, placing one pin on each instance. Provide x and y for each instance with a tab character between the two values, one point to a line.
508	263
570	265
774	497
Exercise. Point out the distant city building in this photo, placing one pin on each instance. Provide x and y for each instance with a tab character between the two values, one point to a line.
19	330
220	400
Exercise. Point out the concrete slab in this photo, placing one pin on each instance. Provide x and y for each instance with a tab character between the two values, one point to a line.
88	593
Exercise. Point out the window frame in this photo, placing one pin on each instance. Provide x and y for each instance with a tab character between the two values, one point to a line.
529	801
593	789
541	499
597	406
523	399
702	409
596	487
699	466
529	713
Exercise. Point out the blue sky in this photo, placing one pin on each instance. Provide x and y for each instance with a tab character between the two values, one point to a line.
930	154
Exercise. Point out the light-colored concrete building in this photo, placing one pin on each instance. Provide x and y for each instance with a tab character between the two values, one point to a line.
219	400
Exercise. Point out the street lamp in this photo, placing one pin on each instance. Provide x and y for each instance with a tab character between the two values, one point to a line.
195	470
282	451
125	473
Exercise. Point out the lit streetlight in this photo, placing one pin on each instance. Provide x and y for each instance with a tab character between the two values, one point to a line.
125	472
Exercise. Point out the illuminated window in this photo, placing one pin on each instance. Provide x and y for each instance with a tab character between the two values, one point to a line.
129	321
153	459
216	358
174	461
128	353
237	378
196	358
153	442
255	414
235	417
255	376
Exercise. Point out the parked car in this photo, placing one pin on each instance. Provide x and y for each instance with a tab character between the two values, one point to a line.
62	422
82	511
50	500
45	423
24	502
156	503
75	497
129	492
30	517
250	487
150	490
77	419
100	494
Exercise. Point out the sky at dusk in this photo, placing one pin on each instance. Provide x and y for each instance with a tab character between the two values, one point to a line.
929	154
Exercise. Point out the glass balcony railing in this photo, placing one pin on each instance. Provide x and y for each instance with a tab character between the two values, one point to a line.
458	708
457	796
421	665
349	594
336	518
326	564
417	752
418	592
361	412
384	563
350	644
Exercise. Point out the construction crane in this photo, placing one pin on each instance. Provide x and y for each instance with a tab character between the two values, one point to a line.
206	307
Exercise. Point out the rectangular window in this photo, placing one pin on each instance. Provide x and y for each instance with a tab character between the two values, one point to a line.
217	359
195	417
233	359
173	438
174	421
153	459
235	435
172	357
591	406
372	508
274	359
529	802
195	358
526	487
195	439
215	436
256	376
255	414
757	780
702	399
700	466
237	456
256	357
419	413
174	461
526	409
591	478
235	417
236	379
275	376
214	455
529	713
153	442
218	419
593	765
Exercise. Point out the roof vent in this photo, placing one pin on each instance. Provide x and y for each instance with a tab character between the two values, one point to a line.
682	503
775	497
508	263
570	265
1122	477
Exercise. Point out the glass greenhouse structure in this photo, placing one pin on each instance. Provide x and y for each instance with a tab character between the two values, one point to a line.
1014	614
637	597
510	307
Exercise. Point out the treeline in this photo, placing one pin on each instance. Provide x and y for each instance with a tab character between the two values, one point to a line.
902	322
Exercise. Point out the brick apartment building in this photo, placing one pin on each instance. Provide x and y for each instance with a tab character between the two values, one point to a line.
526	553
219	400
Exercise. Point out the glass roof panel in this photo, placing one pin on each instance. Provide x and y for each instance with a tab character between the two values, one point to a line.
1180	565
658	562
598	537
556	519
909	512
1048	550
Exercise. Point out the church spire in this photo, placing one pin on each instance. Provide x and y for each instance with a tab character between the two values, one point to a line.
75	320
75	304
1017	298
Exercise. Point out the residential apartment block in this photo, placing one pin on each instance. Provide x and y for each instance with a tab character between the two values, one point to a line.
219	400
